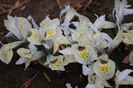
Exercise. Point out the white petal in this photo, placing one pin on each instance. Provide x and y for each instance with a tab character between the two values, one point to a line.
10	25
6	56
34	24
26	26
67	51
10	34
91	86
35	37
49	24
99	22
117	40
20	61
76	24
38	55
12	45
70	13
64	10
128	11
123	75
85	70
68	85
32	48
108	24
23	52
127	81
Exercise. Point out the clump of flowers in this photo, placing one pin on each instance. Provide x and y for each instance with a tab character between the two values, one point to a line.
56	43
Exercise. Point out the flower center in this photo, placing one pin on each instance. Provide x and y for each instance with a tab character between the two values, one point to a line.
20	26
84	54
105	68
50	33
35	35
58	63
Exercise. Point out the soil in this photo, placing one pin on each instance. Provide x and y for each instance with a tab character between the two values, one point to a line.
12	76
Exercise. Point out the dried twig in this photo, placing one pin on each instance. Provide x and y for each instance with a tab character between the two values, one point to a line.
86	6
11	8
59	5
27	83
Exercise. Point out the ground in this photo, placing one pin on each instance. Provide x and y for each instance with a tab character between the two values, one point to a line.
12	76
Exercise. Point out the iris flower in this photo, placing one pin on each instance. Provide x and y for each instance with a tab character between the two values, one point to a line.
101	23
82	54
123	78
120	10
104	67
70	13
18	26
6	51
28	55
59	39
50	31
102	40
48	28
35	37
55	62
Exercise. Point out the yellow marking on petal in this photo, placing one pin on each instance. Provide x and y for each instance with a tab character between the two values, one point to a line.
25	54
20	26
58	63
105	68
50	33
35	35
5	54
84	54
81	35
127	37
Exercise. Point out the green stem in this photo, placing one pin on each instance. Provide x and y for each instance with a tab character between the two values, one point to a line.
46	76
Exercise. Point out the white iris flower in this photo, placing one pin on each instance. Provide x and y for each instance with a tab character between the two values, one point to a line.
121	9
102	40
104	68
123	78
59	39
101	23
70	13
35	37
6	52
19	26
48	28
28	55
55	62
82	54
